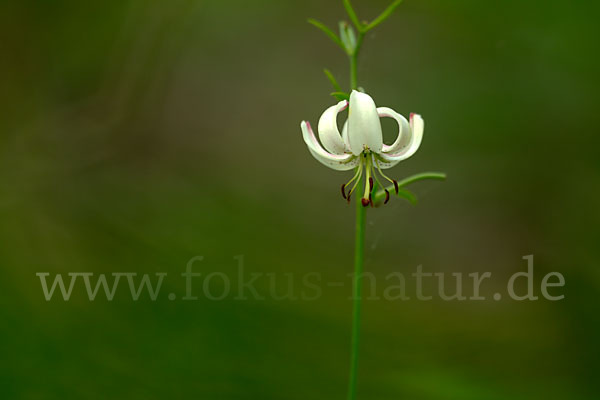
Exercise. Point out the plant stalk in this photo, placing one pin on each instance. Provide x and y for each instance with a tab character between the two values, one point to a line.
354	62
359	251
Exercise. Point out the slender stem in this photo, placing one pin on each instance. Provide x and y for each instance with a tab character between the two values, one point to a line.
353	67
359	250
354	62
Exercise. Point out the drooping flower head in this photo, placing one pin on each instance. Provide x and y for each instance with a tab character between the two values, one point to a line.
360	145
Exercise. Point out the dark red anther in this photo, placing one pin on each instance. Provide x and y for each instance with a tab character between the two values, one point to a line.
365	202
387	196
395	186
371	200
370	184
344	191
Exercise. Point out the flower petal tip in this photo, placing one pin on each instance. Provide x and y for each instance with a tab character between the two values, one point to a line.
415	115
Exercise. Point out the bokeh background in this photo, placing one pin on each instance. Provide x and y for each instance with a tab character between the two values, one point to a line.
136	135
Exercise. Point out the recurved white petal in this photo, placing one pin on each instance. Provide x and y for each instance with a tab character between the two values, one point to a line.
364	128
340	162
328	129
404	131
345	134
351	163
417	126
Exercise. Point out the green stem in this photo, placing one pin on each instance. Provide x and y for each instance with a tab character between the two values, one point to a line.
359	251
354	62
353	67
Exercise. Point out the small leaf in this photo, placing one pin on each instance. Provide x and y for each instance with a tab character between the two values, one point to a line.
402	192
328	32
424	175
352	15
379	196
332	79
406	194
340	95
383	16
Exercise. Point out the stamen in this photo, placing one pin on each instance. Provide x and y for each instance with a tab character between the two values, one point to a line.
355	183
355	174
356	177
387	193
344	190
384	175
370	185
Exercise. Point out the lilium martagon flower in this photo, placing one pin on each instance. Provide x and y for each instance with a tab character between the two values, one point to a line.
360	144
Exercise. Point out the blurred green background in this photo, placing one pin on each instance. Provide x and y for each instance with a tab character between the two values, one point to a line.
138	134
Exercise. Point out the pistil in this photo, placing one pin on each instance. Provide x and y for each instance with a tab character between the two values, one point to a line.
366	199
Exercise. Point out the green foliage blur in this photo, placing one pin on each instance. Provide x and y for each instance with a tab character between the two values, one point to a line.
135	135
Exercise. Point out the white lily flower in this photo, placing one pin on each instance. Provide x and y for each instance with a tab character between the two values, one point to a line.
360	145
